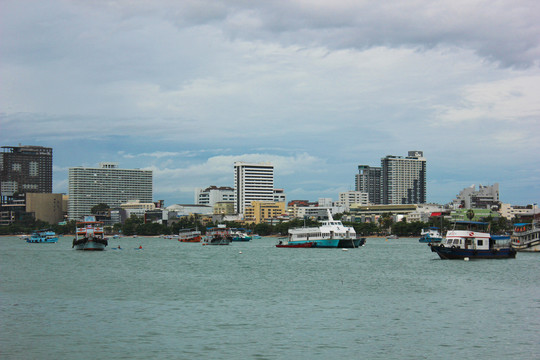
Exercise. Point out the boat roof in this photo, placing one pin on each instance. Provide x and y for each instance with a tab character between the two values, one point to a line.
471	222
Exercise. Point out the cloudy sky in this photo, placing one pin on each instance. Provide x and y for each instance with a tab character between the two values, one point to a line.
316	87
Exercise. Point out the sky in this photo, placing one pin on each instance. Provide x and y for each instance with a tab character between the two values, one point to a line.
187	88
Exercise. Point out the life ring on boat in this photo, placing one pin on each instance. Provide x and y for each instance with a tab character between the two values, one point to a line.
471	234
453	246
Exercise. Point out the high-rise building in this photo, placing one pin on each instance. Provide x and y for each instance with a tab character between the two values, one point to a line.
252	182
484	198
403	179
106	184
25	169
368	180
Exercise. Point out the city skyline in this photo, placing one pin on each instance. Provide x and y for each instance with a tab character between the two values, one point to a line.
186	89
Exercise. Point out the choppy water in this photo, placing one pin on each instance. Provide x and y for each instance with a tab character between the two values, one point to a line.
388	300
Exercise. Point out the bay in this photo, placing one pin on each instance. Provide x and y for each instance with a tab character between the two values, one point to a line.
391	299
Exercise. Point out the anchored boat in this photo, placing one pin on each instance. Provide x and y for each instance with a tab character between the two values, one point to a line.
42	236
219	235
331	234
526	237
472	243
189	235
89	235
430	235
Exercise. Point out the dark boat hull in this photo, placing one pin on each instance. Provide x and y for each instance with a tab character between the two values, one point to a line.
451	253
351	243
302	245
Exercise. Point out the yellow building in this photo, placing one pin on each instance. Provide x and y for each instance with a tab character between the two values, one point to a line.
260	212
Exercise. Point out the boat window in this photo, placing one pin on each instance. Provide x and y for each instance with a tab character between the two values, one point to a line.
449	242
456	241
480	242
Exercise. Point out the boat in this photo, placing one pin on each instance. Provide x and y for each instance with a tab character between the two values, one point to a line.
42	236
240	235
473	242
89	235
286	244
430	235
526	237
392	237
331	234
189	235
220	235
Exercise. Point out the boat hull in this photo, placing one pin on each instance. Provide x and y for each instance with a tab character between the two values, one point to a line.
41	240
191	239
429	239
303	245
90	245
318	243
351	243
450	253
527	246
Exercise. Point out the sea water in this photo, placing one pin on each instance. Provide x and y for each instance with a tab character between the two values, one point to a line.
391	299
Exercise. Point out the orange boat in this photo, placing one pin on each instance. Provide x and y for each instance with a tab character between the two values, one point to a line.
189	235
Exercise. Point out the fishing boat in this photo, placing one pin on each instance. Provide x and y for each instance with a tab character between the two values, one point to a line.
240	235
430	235
42	236
331	234
220	235
472	241
286	244
89	235
526	237
189	235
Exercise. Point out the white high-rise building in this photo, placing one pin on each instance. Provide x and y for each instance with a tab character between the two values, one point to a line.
252	182
213	194
106	184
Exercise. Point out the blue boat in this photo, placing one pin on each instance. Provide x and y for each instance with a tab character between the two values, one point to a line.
430	235
43	236
240	235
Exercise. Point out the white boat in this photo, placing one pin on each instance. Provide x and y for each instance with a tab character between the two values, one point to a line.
526	237
331	234
89	235
472	242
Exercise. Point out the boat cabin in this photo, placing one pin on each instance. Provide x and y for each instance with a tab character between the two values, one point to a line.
472	235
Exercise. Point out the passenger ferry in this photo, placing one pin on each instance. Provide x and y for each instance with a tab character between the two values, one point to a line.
470	243
526	237
89	235
331	234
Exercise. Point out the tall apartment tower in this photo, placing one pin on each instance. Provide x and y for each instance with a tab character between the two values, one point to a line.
106	184
404	179
368	180
25	169
252	182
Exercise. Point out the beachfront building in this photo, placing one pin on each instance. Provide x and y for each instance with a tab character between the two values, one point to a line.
252	182
107	184
403	179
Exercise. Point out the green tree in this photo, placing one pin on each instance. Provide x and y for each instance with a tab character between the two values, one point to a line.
99	209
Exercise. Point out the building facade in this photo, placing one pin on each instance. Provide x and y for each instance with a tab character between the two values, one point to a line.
348	198
403	179
368	180
252	182
258	212
46	207
25	169
107	184
214	194
484	198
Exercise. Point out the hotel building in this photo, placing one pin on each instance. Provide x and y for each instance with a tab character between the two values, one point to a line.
106	184
403	179
368	180
252	182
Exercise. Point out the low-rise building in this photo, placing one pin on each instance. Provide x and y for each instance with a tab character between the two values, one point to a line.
263	212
